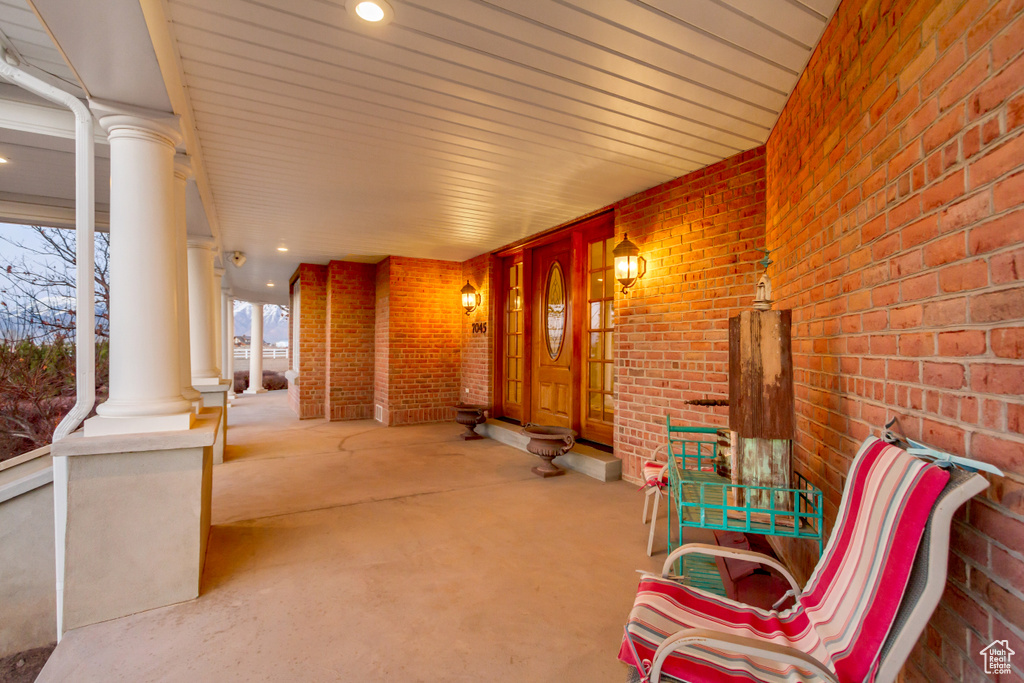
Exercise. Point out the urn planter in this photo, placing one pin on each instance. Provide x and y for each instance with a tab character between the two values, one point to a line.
469	416
548	442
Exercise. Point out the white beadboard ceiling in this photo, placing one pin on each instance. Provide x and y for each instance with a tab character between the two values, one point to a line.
463	124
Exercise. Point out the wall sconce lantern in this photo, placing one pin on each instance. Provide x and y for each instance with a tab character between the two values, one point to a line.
470	298
630	266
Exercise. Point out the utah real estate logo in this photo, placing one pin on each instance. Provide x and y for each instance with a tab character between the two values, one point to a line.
997	657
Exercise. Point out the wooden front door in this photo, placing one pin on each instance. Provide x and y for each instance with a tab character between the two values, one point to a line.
552	332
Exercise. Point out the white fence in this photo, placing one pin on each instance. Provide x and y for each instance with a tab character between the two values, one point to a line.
243	353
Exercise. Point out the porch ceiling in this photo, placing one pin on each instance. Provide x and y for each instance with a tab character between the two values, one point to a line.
460	126
466	124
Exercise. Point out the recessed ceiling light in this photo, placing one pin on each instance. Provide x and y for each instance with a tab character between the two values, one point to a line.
282	248
3	161
270	284
373	11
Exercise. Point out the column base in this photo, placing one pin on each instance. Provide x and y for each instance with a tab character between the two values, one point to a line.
256	390
215	396
205	381
103	425
138	518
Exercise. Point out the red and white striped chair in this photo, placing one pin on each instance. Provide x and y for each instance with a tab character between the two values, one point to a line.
863	609
655	476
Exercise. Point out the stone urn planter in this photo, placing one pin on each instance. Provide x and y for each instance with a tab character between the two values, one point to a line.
548	443
469	416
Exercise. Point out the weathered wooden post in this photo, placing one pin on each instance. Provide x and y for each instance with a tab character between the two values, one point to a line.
761	396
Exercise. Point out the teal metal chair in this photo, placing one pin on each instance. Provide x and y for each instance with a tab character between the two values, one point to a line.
696	447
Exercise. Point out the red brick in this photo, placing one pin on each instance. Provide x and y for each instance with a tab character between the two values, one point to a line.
885	295
920	344
904	371
1007	304
962	343
1015	418
947	65
996	162
945	250
902	318
884	344
994	524
991	23
999	232
921	231
997	379
964	82
1008	342
1015	113
1009	44
947	312
919	287
943	375
1007	268
1009	193
995	91
963	276
943	192
1000	598
971	210
944	436
943	130
1007	567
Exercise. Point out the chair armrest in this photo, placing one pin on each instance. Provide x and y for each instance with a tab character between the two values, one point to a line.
734	553
740	645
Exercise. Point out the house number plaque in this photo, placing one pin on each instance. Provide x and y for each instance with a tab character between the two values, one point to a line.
479	328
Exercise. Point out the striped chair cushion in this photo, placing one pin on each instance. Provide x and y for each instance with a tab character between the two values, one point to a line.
650	472
663	607
846	610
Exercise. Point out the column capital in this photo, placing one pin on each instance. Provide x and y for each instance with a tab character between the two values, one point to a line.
201	243
218	271
124	120
182	166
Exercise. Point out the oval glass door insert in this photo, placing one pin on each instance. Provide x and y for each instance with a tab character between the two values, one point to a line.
554	310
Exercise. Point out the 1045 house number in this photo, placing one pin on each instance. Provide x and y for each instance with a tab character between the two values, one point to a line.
479	328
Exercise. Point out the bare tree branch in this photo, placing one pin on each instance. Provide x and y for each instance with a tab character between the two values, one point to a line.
38	294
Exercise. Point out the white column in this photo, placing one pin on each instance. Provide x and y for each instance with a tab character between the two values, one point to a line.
218	319
227	341
202	313
182	172
145	376
231	347
256	351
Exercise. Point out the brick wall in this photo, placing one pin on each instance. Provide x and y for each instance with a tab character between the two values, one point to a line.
381	337
306	393
478	348
895	205
424	339
388	334
348	390
699	234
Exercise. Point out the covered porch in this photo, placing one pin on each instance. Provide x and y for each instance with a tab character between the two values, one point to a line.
354	551
367	175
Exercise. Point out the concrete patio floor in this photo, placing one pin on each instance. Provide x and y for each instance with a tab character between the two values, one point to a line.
353	552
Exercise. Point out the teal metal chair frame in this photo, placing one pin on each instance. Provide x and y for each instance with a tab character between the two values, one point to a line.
701	499
686	445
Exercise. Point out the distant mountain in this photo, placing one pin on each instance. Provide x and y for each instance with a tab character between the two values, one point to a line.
275	322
